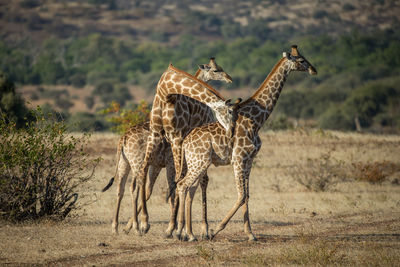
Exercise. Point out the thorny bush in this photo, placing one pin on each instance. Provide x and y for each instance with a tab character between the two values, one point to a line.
41	168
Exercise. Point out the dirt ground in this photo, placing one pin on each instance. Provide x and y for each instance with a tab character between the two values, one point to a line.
316	198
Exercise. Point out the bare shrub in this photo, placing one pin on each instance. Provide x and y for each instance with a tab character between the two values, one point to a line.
318	174
40	169
207	254
374	172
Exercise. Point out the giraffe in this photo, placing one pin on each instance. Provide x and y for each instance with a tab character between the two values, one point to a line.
173	120
237	146
132	147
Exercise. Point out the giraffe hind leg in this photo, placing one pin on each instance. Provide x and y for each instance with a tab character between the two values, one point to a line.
122	174
153	140
204	226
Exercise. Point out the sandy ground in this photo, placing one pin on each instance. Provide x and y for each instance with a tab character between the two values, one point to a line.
348	221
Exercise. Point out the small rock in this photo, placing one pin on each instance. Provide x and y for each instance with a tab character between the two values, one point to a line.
313	214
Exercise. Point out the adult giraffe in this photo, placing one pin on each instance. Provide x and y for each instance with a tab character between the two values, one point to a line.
132	147
237	146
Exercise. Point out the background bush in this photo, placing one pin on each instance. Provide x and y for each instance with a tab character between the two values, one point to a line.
41	168
123	119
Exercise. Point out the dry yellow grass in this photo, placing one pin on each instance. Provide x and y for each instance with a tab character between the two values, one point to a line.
350	222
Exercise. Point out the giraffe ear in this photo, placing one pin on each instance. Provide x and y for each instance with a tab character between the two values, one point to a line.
204	67
237	101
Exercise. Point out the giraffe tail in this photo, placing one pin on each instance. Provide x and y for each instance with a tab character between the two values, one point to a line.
110	183
179	177
119	151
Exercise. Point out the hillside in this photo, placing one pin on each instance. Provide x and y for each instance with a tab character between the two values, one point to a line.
78	56
166	21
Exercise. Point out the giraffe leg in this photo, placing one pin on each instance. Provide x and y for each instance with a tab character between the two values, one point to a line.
204	226
182	191
153	140
246	217
176	146
188	211
174	214
242	172
133	222
173	200
154	171
123	171
153	174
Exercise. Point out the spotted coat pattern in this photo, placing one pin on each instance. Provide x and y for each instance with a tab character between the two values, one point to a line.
214	144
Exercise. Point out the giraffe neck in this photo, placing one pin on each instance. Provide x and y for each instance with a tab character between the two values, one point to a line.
266	96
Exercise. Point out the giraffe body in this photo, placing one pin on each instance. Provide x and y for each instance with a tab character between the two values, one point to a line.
213	144
173	120
132	148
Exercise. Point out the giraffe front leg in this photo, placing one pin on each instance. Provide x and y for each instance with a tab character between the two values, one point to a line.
153	140
154	171
246	216
204	225
246	220
241	176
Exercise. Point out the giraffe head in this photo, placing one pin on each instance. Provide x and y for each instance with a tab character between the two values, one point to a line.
299	62
212	71
226	113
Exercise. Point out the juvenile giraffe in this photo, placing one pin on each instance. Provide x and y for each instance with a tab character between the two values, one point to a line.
212	143
172	120
131	152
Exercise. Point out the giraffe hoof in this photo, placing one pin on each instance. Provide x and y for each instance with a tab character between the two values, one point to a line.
126	231
143	230
205	237
168	235
212	235
178	237
192	239
252	238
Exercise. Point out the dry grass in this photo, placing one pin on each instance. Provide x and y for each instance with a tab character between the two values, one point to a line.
350	222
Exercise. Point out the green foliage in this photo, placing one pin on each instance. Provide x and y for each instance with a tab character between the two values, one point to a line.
123	119
41	169
109	93
78	80
86	122
11	103
334	118
278	122
344	63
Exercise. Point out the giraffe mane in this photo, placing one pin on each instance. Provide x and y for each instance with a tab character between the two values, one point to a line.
261	87
171	67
